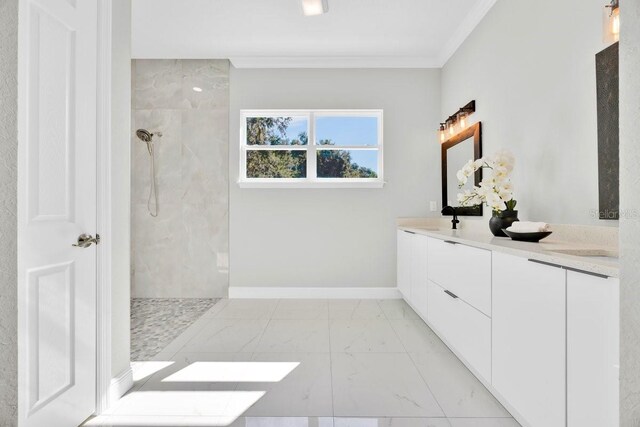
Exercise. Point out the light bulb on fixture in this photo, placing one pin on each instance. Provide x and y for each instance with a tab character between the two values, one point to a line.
314	7
442	133
462	119
612	21
452	128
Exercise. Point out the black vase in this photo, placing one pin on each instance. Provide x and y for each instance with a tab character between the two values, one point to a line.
502	220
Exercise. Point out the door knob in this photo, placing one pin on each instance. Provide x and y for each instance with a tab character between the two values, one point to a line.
85	240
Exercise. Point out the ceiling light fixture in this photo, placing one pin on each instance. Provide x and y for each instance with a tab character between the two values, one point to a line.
314	7
197	89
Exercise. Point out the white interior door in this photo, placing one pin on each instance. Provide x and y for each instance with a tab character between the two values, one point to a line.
57	203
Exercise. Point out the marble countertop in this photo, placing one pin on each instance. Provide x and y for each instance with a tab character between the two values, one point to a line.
603	261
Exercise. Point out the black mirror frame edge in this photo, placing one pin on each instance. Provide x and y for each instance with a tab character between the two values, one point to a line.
474	131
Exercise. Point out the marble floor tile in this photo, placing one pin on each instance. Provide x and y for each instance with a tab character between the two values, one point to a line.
305	391
355	309
483	422
363	336
380	384
390	422
283	422
248	309
397	309
159	421
457	390
298	336
224	404
301	309
227	336
416	336
300	363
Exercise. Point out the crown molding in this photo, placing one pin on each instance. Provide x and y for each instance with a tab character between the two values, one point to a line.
334	62
466	27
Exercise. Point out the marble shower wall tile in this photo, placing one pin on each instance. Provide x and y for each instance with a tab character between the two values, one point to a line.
183	253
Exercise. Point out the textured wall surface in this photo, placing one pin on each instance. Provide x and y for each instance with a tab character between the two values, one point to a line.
183	252
532	73
630	214
335	237
120	184
8	209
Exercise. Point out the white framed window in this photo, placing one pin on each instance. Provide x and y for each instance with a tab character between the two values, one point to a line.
311	148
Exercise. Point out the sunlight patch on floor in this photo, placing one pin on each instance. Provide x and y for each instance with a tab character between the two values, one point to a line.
233	372
167	408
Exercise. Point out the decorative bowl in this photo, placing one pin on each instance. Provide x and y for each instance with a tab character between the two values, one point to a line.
527	237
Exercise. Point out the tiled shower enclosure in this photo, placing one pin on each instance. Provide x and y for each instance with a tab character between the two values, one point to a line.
184	251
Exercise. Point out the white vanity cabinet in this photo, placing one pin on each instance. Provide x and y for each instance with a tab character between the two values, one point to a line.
542	337
412	269
465	329
529	341
593	319
404	263
462	270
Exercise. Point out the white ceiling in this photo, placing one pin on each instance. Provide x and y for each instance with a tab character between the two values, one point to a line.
274	33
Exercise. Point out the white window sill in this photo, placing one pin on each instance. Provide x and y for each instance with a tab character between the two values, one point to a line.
311	184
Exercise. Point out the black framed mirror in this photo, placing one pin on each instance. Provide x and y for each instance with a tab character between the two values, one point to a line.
456	152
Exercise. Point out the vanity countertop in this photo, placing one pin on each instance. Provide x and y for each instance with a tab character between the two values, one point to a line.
600	260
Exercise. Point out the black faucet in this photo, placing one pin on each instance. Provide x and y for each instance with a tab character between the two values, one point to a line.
450	210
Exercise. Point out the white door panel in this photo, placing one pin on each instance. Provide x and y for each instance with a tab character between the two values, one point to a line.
57	203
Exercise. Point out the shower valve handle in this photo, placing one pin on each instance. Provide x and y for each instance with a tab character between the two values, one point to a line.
86	240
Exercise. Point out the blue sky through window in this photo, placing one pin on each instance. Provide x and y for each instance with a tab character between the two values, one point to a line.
297	126
358	131
366	158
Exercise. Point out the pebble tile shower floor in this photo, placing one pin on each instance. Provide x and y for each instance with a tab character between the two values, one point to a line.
155	322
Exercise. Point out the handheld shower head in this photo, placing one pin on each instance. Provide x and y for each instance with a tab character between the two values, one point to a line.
144	135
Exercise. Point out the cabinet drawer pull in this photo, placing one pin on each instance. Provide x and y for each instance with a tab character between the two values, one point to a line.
451	294
545	263
451	242
602	276
410	232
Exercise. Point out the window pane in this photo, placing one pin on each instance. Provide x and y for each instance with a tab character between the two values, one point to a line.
356	131
285	130
347	163
276	164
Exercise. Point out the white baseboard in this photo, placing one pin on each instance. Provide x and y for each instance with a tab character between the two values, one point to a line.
120	385
314	293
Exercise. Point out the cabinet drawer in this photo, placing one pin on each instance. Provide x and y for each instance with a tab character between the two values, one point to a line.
466	329
463	270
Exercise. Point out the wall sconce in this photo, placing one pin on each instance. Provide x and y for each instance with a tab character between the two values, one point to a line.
612	22
456	122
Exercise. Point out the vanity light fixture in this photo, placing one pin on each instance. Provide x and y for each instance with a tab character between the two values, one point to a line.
456	122
612	21
314	7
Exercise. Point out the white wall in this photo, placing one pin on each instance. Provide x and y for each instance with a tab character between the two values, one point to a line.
8	211
630	213
334	237
530	65
120	184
